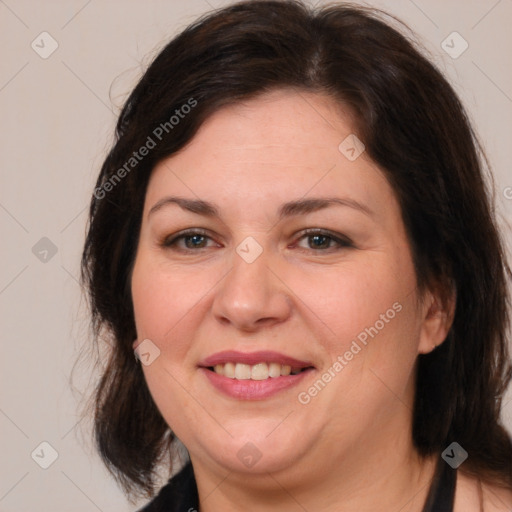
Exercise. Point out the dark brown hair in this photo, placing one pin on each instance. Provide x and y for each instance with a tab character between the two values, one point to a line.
414	128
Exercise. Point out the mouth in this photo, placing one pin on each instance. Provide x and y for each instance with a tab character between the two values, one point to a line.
252	376
258	371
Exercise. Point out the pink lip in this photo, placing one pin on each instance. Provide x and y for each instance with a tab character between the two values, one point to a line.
253	389
263	356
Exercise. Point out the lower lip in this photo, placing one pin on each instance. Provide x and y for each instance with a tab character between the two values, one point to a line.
253	389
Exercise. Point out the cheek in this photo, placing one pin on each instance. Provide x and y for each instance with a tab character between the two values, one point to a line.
365	314
369	325
168	303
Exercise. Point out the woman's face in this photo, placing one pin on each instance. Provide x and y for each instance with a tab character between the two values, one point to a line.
266	245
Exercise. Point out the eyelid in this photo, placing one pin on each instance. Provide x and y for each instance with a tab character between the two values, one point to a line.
341	241
338	238
170	240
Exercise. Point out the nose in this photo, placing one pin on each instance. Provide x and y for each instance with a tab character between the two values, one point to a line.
252	296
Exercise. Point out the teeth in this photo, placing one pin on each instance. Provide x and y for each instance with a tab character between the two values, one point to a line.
260	371
242	371
274	369
229	370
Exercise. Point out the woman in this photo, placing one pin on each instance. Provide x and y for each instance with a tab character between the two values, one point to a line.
293	234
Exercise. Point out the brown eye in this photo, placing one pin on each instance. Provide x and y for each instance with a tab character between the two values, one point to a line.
190	240
322	241
319	241
195	241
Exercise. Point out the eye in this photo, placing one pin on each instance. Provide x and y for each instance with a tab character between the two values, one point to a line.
321	240
189	240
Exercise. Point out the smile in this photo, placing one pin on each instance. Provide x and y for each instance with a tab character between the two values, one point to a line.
253	376
259	371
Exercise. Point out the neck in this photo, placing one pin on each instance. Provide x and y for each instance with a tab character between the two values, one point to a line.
365	480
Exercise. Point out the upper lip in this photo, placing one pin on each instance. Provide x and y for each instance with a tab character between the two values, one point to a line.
251	358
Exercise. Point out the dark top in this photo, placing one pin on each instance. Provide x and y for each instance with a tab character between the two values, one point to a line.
442	491
180	494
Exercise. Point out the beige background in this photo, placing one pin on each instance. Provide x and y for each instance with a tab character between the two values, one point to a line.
57	117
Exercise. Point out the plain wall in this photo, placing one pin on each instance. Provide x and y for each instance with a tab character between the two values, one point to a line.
57	122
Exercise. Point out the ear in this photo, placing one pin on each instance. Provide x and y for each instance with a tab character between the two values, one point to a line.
438	311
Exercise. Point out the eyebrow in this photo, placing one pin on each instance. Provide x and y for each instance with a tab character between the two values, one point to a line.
192	205
304	206
297	207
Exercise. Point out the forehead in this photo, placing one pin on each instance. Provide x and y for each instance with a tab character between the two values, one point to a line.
278	127
278	146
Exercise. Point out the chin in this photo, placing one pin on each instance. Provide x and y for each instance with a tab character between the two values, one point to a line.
257	452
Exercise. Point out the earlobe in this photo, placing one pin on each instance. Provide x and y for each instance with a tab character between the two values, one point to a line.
437	321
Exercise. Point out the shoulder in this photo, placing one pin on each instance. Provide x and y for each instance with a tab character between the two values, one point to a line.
473	496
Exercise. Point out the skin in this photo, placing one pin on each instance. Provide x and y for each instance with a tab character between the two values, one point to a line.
350	448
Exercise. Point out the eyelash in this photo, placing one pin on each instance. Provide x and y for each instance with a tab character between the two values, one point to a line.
341	241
